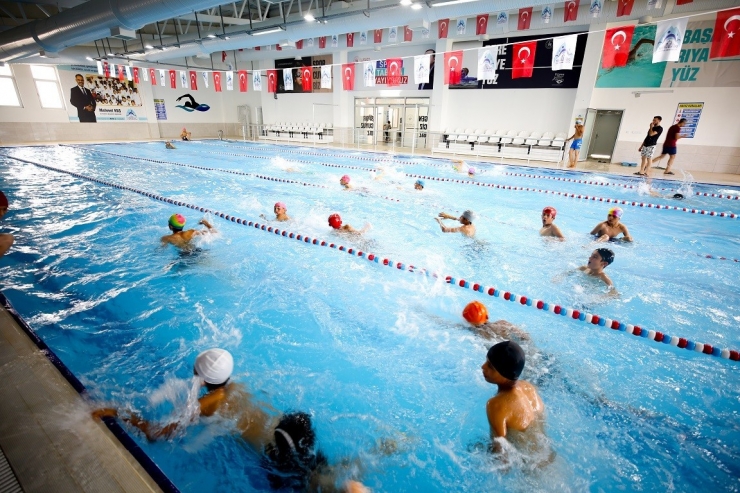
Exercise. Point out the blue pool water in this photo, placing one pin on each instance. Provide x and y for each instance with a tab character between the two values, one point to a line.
377	353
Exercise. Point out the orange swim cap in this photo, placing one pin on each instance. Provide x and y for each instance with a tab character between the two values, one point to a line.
476	313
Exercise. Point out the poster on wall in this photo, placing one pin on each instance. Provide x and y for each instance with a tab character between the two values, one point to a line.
92	98
160	109
315	62
692	112
694	68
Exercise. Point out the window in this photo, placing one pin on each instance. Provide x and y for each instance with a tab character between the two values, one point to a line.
8	92
47	86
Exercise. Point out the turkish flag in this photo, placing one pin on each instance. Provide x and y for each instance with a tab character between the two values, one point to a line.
173	80
453	67
348	76
121	72
223	56
299	44
322	42
271	80
726	38
193	80
278	47
217	81
307	79
408	34
683	2
242	81
153	76
378	36
442	26
522	59
624	7
136	75
257	48
106	69
393	71
350	40
570	10
617	46
525	19
481	24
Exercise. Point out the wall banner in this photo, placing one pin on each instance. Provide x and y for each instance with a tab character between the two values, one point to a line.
316	62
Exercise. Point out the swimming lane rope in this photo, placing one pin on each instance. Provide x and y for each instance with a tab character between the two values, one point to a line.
571	314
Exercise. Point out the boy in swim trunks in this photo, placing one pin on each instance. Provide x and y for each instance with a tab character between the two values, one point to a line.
611	228
548	223
575	146
180	238
597	262
466	219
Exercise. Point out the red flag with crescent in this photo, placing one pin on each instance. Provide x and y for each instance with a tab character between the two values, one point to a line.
348	76
726	38
242	81
299	44
393	71
570	12
106	69
257	48
481	24
136	75
378	36
173	79
217	81
271	80
683	2
223	56
278	47
193	80
153	76
408	34
322	42
617	46
525	19
624	7
443	26
306	79
453	67
522	59
121	72
350	40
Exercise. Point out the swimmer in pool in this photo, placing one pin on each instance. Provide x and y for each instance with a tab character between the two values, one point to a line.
476	314
516	412
180	238
459	165
168	145
597	262
281	212
287	443
344	181
548	223
611	228
419	185
467	228
335	221
471	172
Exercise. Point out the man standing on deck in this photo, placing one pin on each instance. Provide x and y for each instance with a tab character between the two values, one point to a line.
648	145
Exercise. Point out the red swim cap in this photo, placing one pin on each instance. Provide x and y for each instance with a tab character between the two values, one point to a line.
550	210
335	221
476	313
3	200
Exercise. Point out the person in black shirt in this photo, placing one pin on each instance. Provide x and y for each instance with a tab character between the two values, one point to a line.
648	145
82	99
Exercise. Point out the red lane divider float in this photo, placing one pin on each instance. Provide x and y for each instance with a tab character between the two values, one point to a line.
575	315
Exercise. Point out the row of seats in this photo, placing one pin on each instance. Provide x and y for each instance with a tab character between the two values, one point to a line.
297	131
542	146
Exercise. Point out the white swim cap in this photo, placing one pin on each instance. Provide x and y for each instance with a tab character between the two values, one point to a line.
214	366
469	215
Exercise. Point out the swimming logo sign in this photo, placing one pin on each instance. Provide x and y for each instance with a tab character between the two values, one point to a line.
131	115
564	52
668	40
487	64
190	104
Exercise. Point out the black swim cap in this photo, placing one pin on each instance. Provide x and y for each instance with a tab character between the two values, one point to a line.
678	196
507	358
606	255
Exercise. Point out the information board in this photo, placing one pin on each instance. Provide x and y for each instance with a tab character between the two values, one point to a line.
692	112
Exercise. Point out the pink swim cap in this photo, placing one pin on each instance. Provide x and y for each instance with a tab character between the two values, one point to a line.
281	205
550	210
344	179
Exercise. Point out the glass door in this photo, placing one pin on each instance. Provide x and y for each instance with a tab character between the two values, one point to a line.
364	123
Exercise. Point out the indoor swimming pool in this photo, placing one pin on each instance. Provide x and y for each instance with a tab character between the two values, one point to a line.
641	389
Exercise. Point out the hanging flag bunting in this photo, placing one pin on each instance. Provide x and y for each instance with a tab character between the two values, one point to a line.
121	73
217	81
272	80
523	59
205	79
726	38
443	26
461	26
144	74
173	79
624	7
393	34
257	81
326	76
546	14
616	50
683	2
193	80
595	8
525	19
106	69
128	73
421	69
183	79
481	24
322	42
453	67
564	52
668	40
229	80
378	36
152	76
654	4
288	79
487	63
136	75
242	74
334	41
299	44
394	72
162	78
306	79
348	76
278	47
408	34
363	37
368	72
100	67
257	48
223	56
350	40
424	33
570	10
502	18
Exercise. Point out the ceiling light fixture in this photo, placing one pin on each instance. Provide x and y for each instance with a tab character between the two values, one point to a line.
309	17
211	36
89	58
149	47
451	2
268	31
416	6
405	3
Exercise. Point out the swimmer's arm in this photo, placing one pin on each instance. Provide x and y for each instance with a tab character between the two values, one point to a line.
557	233
445	229
497	422
166	240
597	229
136	421
626	233
208	225
444	215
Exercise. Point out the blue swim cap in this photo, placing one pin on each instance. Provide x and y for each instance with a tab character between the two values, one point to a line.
420	182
